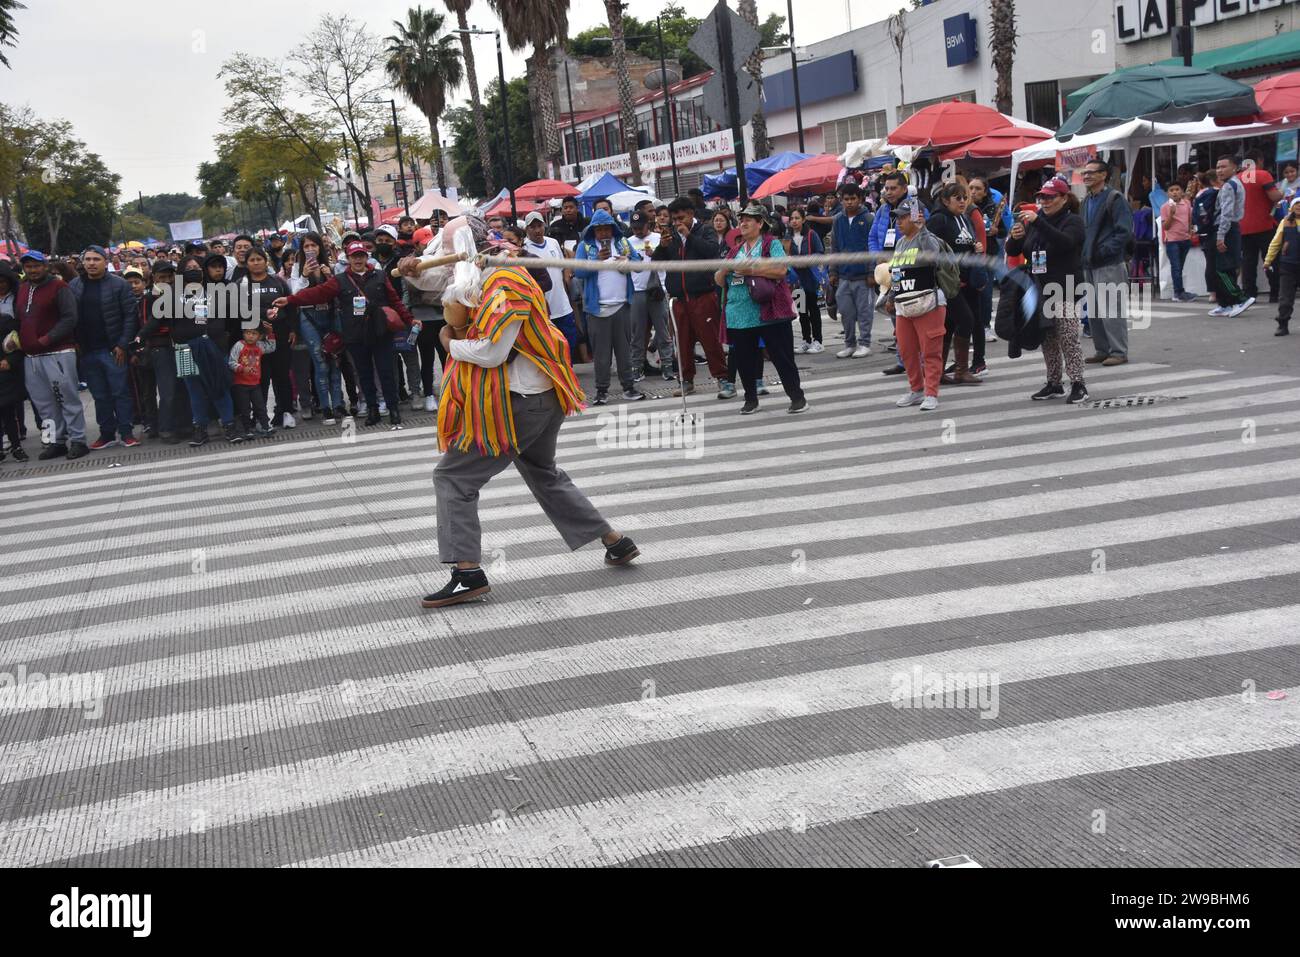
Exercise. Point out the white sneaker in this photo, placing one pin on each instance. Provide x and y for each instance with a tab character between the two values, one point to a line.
1220	311
912	398
816	347
930	403
362	408
306	414
383	407
844	353
1241	307
289	423
861	351
430	403
801	348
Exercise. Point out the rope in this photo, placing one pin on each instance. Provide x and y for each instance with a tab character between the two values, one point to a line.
713	265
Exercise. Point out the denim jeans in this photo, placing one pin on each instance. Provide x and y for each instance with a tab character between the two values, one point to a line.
211	386
374	358
110	385
329	381
1177	251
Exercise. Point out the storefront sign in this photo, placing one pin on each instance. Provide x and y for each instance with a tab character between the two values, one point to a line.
699	149
1140	19
1287	142
959	39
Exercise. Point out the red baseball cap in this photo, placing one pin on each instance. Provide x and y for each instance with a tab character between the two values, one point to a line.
356	246
1055	187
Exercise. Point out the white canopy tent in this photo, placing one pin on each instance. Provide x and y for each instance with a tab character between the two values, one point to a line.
1135	135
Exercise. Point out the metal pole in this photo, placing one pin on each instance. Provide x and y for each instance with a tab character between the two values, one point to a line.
347	158
401	170
723	21
794	73
505	128
1187	33
669	105
573	123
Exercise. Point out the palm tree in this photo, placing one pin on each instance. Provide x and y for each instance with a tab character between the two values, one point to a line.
748	10
627	113
8	32
541	24
425	67
461	8
1002	15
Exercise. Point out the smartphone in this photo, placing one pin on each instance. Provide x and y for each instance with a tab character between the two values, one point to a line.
311	258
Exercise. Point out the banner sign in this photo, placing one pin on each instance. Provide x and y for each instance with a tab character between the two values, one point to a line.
1075	157
699	149
190	229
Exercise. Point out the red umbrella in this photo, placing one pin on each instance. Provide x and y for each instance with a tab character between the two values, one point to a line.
996	144
1278	97
947	124
502	206
818	174
544	189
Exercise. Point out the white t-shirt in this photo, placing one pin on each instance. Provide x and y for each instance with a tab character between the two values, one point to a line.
641	280
557	298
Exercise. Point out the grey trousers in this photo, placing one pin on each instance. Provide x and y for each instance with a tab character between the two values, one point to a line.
410	363
1109	326
856	302
648	314
52	384
611	335
459	476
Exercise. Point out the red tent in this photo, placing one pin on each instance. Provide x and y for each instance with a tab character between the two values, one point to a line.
817	174
995	144
390	216
544	189
947	124
502	206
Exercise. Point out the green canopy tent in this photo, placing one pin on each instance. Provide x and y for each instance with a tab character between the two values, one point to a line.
1159	94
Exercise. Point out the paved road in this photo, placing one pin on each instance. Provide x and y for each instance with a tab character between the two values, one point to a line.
1084	610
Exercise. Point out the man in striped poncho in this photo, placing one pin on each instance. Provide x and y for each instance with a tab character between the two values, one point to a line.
505	395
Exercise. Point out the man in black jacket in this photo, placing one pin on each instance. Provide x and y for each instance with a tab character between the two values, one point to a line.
696	314
106	323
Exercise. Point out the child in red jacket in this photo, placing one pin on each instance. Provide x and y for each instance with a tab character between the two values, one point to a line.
246	361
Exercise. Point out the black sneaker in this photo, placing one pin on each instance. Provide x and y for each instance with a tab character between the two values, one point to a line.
76	450
251	435
465	585
372	417
1282	331
979	368
621	552
394	417
797	406
1078	393
53	452
750	407
233	435
602	398
19	453
1048	391
633	395
893	370
200	438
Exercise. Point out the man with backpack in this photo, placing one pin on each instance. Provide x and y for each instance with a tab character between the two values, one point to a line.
1107	244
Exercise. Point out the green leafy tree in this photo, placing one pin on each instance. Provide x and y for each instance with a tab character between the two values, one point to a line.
461	9
464	148
8	29
70	204
541	24
425	65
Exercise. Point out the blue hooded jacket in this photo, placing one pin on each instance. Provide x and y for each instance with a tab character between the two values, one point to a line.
588	248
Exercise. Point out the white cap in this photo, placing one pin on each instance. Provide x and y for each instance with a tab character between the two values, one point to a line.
388	231
534	217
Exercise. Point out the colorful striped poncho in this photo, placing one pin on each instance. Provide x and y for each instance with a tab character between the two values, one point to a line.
474	410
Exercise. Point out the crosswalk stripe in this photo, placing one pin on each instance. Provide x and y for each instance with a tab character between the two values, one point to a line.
421	454
221	570
849	786
668	465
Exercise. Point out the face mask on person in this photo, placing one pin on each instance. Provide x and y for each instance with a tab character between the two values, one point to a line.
383	250
192	276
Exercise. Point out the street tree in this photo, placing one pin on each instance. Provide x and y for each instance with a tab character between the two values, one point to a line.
461	9
424	63
8	29
542	24
1002	16
626	109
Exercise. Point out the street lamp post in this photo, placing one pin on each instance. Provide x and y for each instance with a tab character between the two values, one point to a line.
670	107
347	159
573	123
505	115
401	170
794	72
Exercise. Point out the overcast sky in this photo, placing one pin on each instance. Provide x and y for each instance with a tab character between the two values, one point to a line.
137	92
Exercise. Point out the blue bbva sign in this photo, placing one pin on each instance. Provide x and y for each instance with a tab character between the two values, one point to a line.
959	39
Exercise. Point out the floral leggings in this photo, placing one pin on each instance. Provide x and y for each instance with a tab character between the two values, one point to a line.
1063	339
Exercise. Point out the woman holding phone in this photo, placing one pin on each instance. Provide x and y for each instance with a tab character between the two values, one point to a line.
311	267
